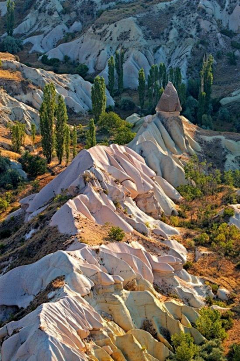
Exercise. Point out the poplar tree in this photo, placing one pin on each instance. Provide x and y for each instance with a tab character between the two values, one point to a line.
177	79
67	142
119	60
61	121
74	141
91	135
98	95
201	106
162	75
206	75
18	135
47	119
141	87
10	17
111	70
33	132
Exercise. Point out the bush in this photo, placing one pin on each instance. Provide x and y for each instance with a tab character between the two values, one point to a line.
211	351
127	104
184	347
9	178
228	212
50	62
82	70
3	205
124	135
116	234
187	265
210	325
234	353
33	164
228	32
10	44
202	239
235	44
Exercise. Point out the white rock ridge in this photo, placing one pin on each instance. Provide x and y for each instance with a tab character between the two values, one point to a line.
92	302
109	185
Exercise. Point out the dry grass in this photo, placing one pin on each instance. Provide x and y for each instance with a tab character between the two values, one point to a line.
7	56
10	75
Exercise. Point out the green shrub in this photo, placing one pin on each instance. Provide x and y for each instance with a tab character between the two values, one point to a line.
10	44
210	325
202	239
116	234
228	212
187	265
33	164
3	204
127	104
82	70
211	351
184	347
228	32
234	352
235	44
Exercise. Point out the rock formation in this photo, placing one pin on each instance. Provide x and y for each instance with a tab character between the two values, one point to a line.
108	184
103	307
169	104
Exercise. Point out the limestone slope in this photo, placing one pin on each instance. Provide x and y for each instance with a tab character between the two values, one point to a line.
108	185
106	309
150	32
22	92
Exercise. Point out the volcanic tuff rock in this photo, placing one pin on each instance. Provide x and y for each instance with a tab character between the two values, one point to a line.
150	33
169	101
109	184
103	309
22	103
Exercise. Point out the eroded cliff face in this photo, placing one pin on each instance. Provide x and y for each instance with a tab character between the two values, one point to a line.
153	32
101	305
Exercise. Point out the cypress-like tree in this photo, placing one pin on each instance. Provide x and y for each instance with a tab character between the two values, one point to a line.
10	17
171	75
61	121
33	132
119	60
201	106
141	87
18	135
206	75
74	141
67	142
99	98
163	79
47	119
177	79
111	78
91	135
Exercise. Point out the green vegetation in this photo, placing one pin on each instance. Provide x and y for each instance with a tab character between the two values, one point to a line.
33	132
116	127
47	120
111	77
91	135
61	122
234	353
184	347
9	178
74	141
210	324
67	142
119	61
99	99
116	234
10	17
34	165
18	136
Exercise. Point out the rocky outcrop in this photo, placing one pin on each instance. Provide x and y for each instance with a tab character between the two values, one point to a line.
109	185
24	104
169	103
105	308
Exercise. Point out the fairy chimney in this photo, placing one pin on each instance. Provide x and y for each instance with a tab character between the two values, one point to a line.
169	104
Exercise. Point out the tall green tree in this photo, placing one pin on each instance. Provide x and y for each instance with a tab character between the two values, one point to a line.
201	106
47	119
18	135
206	75
141	87
111	77
74	141
10	17
163	79
33	132
67	142
91	135
99	99
119	61
177	79
61	121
